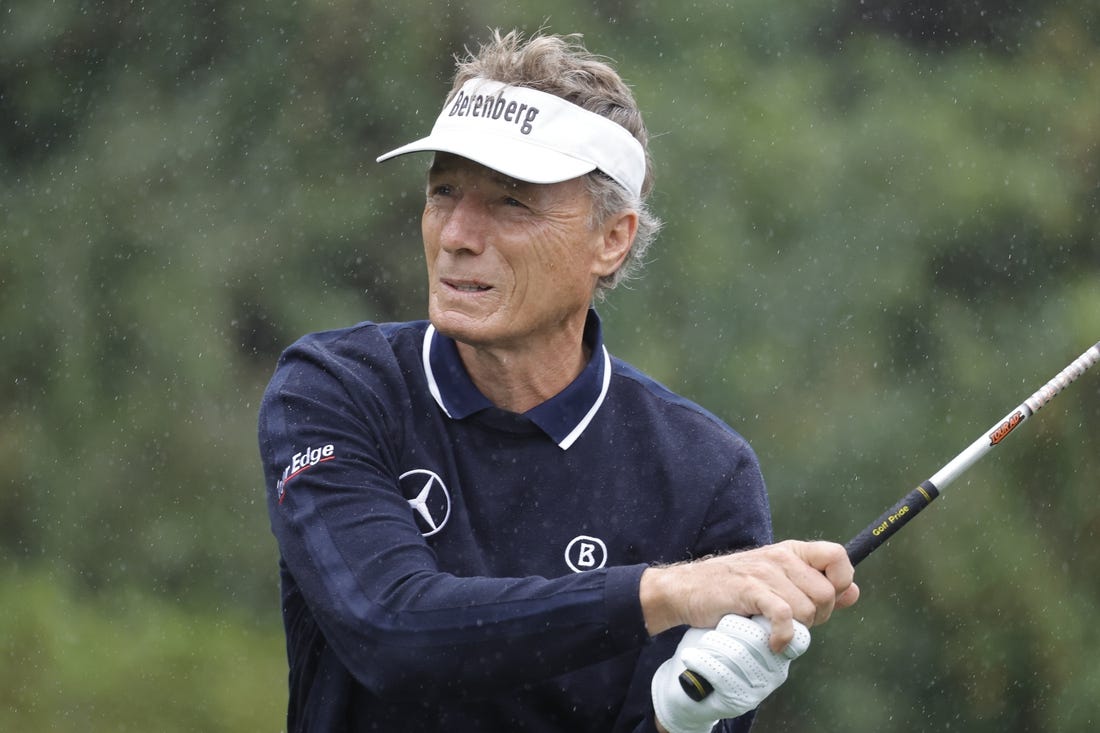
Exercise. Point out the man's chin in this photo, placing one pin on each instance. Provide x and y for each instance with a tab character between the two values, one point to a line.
463	327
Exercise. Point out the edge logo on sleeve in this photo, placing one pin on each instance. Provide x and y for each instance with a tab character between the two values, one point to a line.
303	461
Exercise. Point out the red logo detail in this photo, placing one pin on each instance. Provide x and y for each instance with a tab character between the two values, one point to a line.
1005	428
303	461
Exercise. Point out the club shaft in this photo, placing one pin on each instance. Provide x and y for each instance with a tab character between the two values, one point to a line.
897	516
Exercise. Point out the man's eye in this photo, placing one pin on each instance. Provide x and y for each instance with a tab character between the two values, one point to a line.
509	201
440	189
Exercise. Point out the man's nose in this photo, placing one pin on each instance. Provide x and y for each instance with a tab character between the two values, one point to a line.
466	226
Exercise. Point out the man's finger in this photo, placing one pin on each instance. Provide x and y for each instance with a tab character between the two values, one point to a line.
780	617
848	597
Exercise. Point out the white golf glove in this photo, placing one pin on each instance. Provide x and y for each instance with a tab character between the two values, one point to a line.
736	660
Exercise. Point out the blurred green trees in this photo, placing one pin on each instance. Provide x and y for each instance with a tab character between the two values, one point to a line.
882	232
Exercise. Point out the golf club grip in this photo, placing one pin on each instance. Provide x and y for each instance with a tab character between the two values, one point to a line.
877	532
859	547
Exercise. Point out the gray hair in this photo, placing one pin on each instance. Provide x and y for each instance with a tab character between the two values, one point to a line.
560	65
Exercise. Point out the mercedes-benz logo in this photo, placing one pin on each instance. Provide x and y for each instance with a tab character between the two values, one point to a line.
430	500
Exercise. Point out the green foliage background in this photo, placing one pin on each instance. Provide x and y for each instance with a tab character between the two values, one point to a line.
882	232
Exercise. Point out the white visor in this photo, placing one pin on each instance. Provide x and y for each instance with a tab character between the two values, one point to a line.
532	136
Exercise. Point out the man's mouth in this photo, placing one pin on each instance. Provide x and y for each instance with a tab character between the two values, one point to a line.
466	287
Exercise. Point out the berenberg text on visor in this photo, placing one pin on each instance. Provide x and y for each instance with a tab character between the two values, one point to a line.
494	107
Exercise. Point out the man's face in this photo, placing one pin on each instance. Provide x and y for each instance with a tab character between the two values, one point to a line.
509	263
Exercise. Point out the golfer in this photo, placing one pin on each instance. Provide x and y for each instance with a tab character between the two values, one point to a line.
487	522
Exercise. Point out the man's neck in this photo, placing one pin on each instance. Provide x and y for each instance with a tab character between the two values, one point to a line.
520	377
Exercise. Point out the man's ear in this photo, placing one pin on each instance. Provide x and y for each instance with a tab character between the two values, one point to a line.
618	237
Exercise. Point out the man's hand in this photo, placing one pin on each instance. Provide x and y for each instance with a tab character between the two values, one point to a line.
785	582
736	659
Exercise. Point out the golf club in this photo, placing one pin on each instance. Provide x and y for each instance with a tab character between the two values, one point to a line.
897	516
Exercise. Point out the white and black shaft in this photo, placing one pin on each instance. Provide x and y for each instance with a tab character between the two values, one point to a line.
875	534
897	516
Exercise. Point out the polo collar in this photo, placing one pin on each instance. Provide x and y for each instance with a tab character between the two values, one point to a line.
563	417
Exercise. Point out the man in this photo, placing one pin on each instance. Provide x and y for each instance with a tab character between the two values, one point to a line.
485	521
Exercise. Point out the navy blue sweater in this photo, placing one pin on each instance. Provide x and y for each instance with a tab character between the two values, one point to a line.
447	565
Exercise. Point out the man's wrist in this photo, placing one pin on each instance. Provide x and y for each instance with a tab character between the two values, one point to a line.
653	594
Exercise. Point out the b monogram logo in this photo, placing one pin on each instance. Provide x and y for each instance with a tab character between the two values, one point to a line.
585	553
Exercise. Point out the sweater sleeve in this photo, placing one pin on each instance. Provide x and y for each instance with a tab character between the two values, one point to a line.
740	515
350	545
